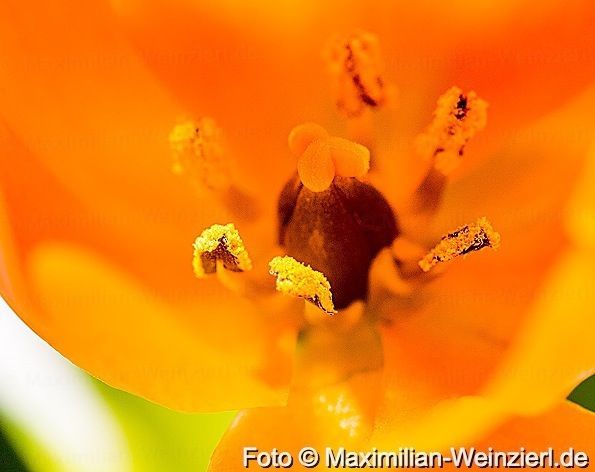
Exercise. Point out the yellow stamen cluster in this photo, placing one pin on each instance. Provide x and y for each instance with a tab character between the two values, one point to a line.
322	157
356	68
198	151
457	118
220	245
300	280
466	239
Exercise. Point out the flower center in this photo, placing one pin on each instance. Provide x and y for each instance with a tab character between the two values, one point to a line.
333	224
338	231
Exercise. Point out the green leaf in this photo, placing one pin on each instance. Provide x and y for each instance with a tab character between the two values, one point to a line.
161	439
10	460
584	394
22	452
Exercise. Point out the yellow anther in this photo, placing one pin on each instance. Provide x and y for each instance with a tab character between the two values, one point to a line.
466	239
300	280
198	151
457	118
220	245
324	157
356	68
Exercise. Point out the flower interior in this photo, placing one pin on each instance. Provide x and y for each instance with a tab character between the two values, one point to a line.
332	222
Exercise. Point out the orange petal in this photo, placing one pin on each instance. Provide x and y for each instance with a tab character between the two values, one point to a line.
490	339
449	337
454	423
529	64
257	78
563	427
111	326
482	302
9	272
83	152
338	415
528	181
88	138
555	350
300	424
444	424
334	398
580	220
84	102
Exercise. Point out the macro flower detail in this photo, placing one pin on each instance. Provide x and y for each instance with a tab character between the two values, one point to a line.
330	219
466	239
201	156
356	68
300	280
458	117
355	210
321	157
199	151
220	245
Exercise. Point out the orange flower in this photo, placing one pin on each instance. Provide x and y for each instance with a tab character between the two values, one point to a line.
95	230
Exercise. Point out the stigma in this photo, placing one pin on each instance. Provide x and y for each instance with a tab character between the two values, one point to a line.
321	157
332	223
330	219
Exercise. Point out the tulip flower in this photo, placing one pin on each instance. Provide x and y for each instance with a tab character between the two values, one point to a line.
391	207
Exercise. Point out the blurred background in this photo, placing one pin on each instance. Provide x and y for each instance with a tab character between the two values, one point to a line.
54	417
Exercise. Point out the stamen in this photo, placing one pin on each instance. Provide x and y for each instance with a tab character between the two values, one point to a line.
466	239
406	255
198	152
457	118
356	68
321	157
300	280
220	245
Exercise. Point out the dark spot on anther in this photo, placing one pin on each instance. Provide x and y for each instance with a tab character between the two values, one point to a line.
363	93
338	232
480	241
461	106
220	253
